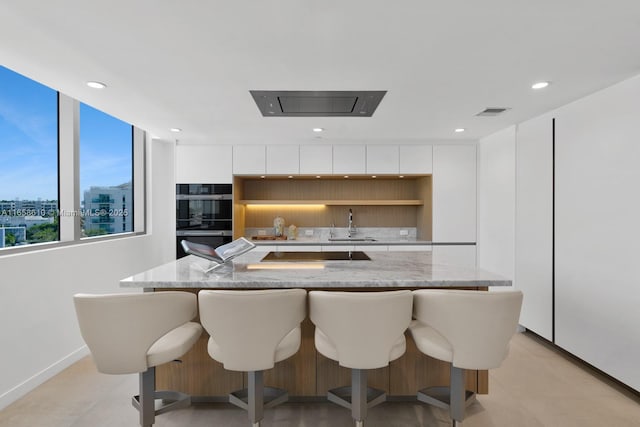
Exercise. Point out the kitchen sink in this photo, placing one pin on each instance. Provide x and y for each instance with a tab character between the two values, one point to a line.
351	239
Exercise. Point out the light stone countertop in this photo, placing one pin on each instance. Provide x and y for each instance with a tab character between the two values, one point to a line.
384	270
376	242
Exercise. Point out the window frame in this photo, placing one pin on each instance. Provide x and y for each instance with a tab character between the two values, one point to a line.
69	232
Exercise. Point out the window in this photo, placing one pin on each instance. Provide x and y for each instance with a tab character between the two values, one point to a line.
106	173
28	161
40	172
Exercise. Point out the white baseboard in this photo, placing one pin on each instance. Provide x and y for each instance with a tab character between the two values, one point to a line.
29	384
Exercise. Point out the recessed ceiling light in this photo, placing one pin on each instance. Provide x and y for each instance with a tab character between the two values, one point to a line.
290	176
318	129
175	130
458	130
346	176
401	176
262	176
539	85
373	176
96	85
317	176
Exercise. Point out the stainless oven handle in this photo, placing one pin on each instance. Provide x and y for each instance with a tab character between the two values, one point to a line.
204	197
198	233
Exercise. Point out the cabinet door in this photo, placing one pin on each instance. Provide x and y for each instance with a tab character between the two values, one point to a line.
382	159
372	248
204	164
463	255
249	159
337	248
454	193
534	223
416	159
316	159
283	159
349	159
410	248
597	230
300	248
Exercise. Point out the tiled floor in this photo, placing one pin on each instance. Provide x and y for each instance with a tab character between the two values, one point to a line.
535	386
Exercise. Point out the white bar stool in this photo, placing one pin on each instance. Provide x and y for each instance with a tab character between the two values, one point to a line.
470	329
251	331
133	333
360	330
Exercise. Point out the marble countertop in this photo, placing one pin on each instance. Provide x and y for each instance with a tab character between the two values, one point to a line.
384	270
326	242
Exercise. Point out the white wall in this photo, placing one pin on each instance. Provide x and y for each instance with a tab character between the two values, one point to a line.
496	202
597	230
38	327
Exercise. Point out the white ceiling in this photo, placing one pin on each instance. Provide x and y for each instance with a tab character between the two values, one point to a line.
191	63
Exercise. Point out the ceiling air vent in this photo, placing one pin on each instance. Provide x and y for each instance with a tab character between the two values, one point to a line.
300	103
492	111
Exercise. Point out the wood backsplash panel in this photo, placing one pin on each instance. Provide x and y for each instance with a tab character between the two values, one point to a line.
323	216
330	188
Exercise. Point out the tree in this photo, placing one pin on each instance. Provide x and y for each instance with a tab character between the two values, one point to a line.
42	233
95	232
9	239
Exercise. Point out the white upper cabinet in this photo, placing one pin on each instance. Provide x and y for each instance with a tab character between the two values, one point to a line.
316	159
249	159
454	193
283	159
382	159
204	164
349	159
416	159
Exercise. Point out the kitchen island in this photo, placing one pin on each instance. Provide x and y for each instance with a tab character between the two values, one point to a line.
308	373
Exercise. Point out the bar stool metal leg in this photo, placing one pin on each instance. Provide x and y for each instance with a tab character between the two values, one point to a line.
458	400
146	401
359	396
256	397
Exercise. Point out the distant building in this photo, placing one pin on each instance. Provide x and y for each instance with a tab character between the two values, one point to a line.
24	221
32	207
109	209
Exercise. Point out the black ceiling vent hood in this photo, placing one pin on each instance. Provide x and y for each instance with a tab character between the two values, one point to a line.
309	103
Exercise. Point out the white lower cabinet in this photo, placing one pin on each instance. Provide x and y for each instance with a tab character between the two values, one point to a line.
410	248
335	248
300	248
372	248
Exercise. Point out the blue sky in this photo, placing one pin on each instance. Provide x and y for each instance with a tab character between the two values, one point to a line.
29	136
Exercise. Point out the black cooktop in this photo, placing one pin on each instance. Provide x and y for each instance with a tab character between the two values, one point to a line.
317	256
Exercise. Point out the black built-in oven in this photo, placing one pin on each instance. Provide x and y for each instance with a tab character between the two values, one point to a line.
203	214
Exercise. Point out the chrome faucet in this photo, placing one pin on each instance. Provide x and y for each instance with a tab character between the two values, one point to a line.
351	229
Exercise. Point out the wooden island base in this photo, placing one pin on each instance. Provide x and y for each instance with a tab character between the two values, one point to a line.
308	374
